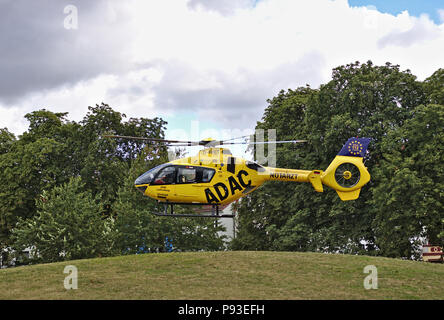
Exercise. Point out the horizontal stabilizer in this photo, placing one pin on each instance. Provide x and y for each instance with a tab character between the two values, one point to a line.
350	195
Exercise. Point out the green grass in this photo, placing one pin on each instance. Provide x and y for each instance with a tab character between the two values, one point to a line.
227	275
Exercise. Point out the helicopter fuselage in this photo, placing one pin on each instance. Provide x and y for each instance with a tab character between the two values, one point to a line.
214	176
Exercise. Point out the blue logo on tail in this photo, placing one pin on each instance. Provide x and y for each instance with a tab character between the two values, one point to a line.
355	147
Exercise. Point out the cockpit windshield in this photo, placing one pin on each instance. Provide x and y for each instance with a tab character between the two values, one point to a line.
148	176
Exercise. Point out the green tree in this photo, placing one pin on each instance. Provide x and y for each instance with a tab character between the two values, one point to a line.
68	226
6	140
105	162
27	169
434	87
407	202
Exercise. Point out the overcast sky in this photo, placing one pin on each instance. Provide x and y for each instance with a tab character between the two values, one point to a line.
211	61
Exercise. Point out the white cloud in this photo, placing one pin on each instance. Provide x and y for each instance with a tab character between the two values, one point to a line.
224	7
423	29
221	60
441	15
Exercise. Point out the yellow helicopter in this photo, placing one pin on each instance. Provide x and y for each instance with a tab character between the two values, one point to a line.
216	178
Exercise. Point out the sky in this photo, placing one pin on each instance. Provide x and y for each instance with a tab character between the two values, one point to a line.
205	66
414	7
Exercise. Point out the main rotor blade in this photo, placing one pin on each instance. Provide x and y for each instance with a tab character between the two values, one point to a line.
286	141
264	142
242	137
186	143
211	143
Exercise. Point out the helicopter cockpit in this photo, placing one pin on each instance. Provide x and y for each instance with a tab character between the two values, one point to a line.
174	174
148	176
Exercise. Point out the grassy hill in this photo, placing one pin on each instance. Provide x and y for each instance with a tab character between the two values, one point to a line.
227	275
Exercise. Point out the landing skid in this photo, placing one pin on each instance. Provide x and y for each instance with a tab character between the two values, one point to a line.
214	212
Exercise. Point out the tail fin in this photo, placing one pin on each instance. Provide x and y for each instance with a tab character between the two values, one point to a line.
355	147
347	173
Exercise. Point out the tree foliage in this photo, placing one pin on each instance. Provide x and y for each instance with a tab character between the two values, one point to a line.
407	204
67	226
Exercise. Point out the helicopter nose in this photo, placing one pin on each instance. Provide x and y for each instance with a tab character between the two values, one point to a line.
141	183
141	188
145	179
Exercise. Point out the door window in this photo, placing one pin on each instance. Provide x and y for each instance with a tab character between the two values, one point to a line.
194	174
166	176
186	175
207	174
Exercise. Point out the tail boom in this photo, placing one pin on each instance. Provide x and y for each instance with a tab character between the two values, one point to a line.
346	173
279	174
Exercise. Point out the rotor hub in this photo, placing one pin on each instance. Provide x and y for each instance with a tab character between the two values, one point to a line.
347	175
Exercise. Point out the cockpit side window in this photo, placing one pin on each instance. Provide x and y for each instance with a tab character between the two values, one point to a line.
166	176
